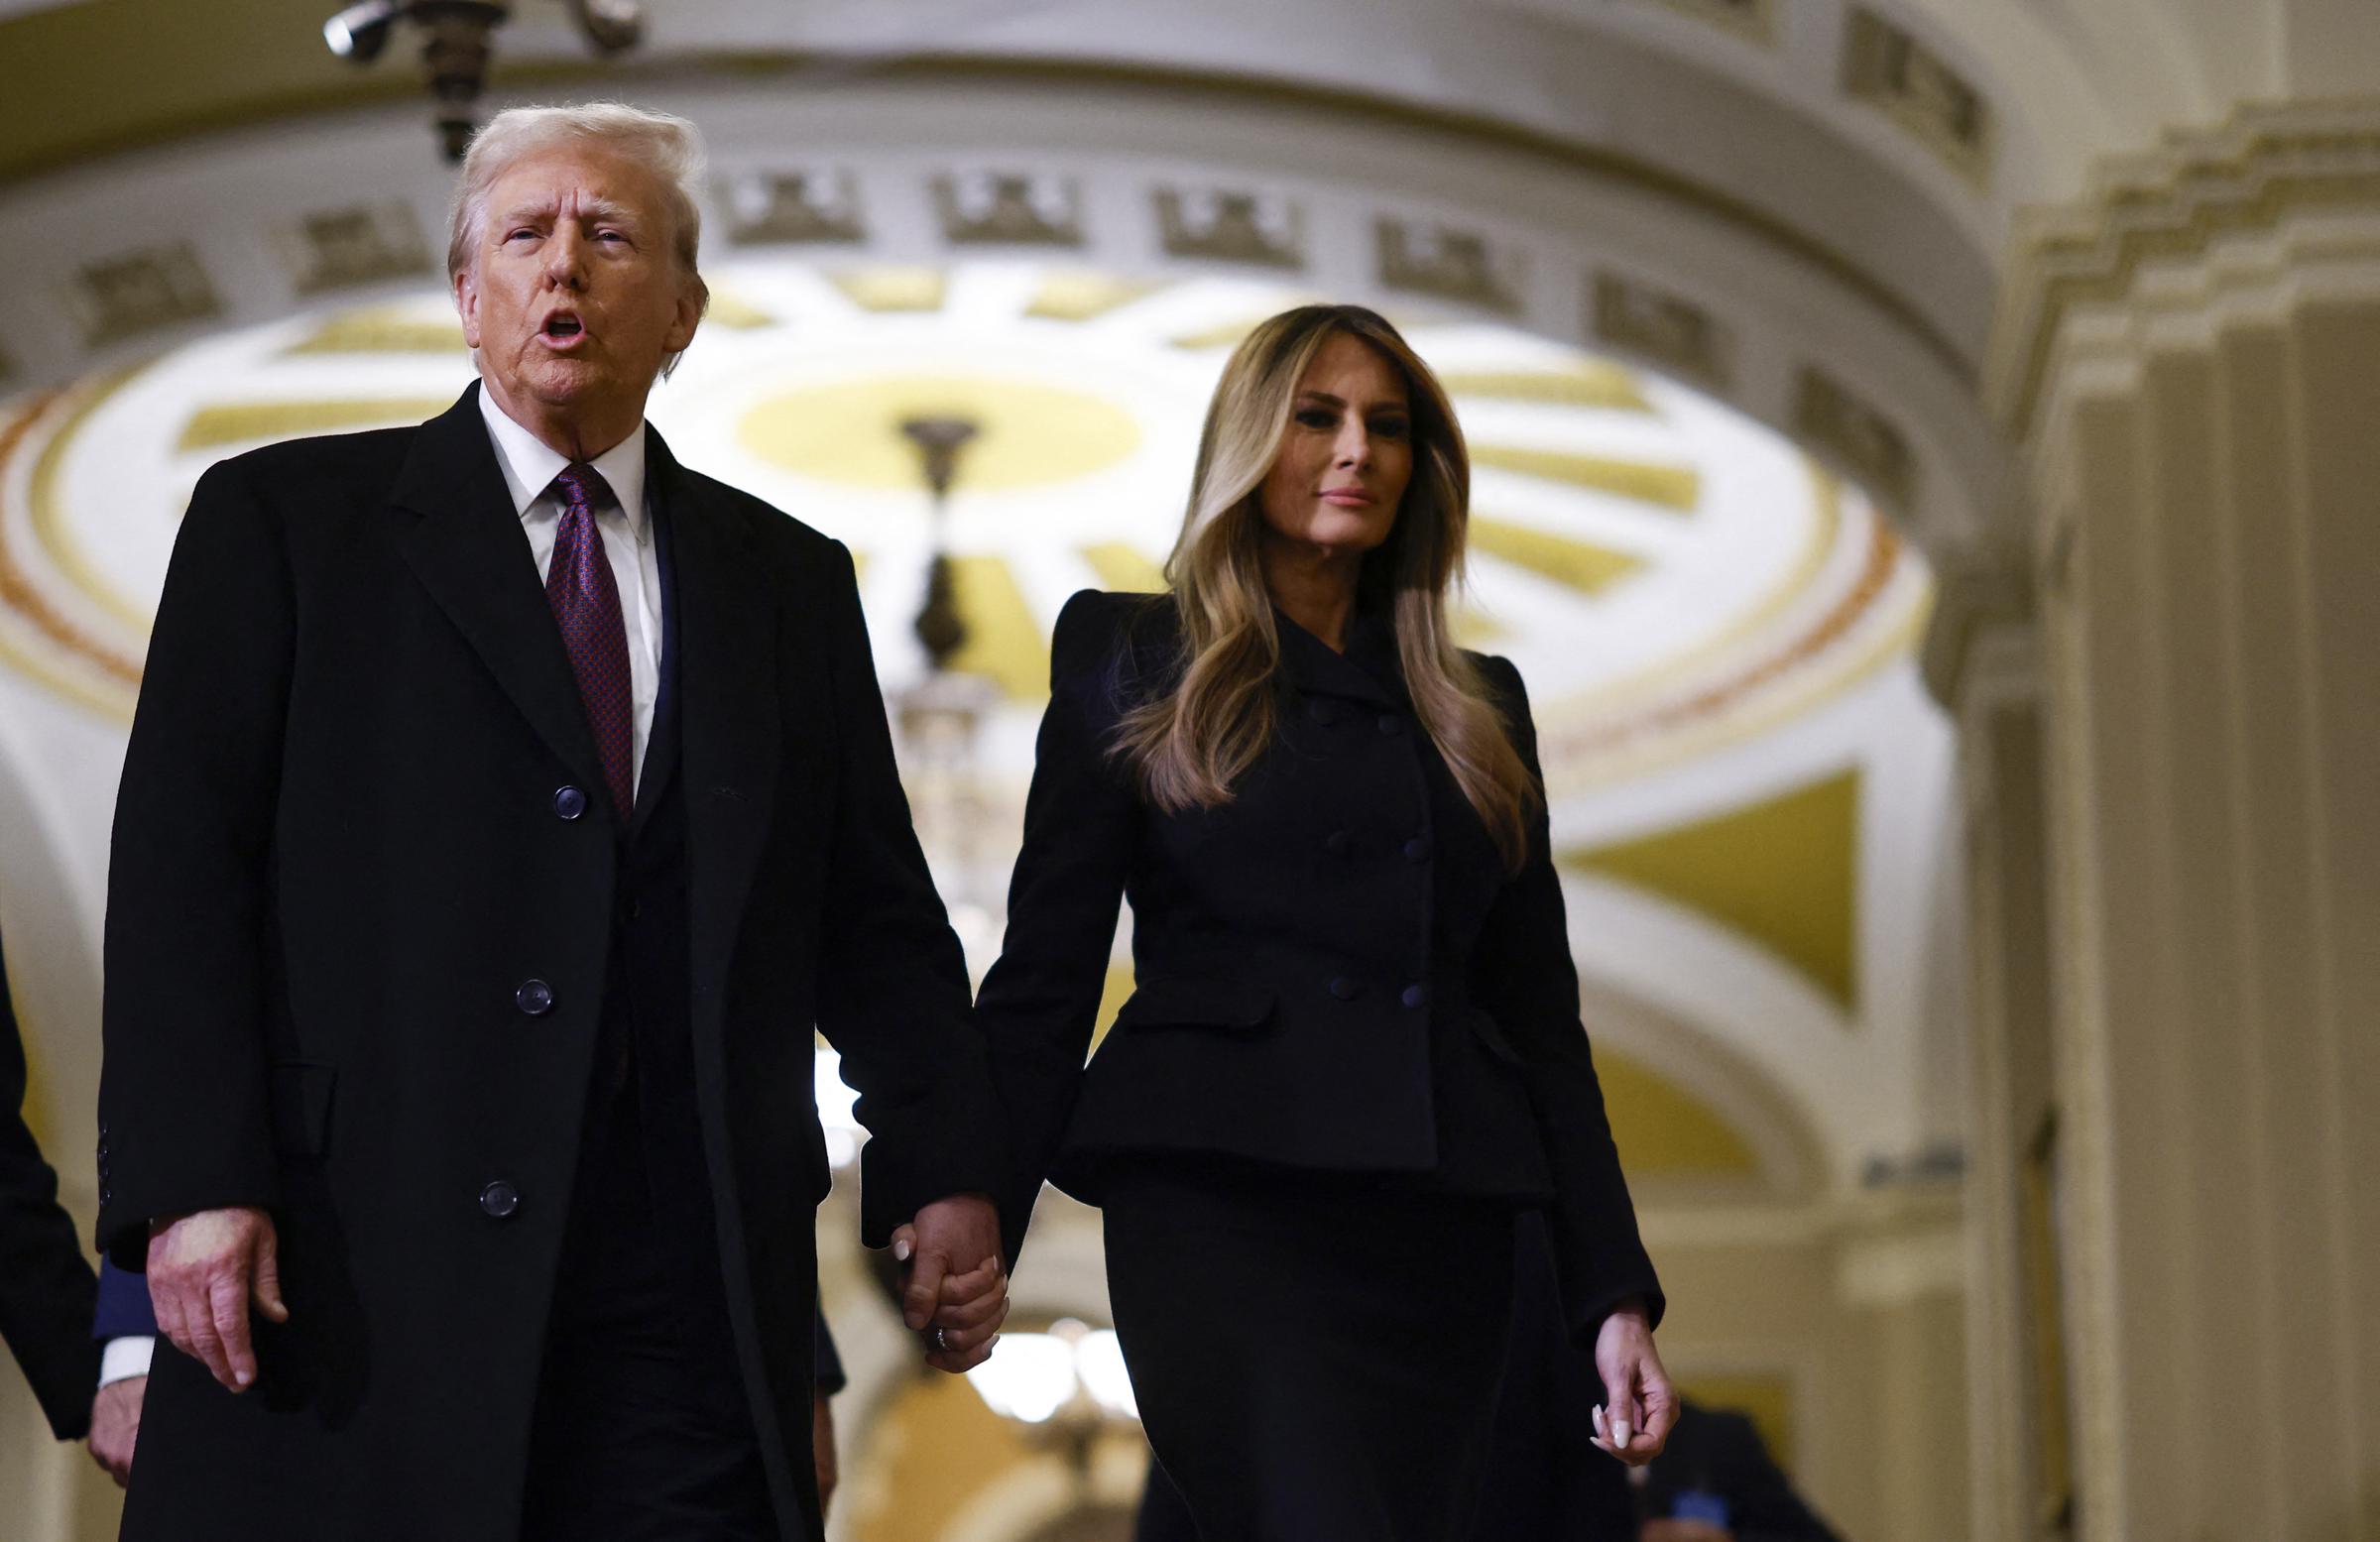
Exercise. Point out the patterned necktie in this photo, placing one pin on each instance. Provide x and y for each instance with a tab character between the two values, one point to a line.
586	606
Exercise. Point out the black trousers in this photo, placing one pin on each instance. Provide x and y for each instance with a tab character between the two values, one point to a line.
1316	1360
642	1433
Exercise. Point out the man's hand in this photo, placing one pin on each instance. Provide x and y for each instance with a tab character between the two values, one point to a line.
116	1425
1634	1421
203	1271
823	1447
1673	1529
954	1280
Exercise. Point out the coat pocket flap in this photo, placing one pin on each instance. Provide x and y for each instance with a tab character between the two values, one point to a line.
301	1106
1212	1003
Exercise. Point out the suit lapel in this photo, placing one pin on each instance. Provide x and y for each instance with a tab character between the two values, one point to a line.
467	544
1317	670
727	698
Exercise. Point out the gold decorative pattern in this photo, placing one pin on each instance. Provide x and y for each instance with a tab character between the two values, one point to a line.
1677	488
262	423
1028	435
1005	642
1126	569
893	289
1594	383
1087	296
732	311
383	329
19	595
1755	20
1581	565
1783	872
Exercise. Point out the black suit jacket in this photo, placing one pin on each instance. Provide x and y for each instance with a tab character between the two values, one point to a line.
47	1290
1283	950
356	955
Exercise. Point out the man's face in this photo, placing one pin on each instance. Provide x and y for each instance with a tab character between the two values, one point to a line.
575	296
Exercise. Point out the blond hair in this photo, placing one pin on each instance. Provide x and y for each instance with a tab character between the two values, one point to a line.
1189	743
669	146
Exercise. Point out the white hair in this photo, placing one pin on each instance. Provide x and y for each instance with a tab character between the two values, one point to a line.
669	146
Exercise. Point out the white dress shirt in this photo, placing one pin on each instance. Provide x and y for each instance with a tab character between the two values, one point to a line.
529	466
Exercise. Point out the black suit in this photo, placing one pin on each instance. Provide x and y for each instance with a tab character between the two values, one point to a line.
1350	1025
47	1289
369	967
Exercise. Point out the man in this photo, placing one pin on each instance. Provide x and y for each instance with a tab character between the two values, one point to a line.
126	1331
504	804
45	1285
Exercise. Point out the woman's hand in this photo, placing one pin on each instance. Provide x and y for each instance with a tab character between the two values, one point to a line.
1639	1404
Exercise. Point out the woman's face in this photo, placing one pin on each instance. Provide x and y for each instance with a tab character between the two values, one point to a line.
1347	453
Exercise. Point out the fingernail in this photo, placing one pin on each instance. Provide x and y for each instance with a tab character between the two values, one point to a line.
242	1378
1619	1432
901	1251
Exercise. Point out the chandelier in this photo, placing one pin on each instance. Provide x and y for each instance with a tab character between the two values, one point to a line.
458	42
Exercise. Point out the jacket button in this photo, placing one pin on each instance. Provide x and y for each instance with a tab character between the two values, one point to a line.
1346	990
1391	724
1335	842
1417	849
568	803
1415	995
499	1200
534	998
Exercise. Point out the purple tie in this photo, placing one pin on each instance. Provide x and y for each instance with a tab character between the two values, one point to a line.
586	606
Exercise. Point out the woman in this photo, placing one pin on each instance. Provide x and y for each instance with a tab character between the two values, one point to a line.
1355	1047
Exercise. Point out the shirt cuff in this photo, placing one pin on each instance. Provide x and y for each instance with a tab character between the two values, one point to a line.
126	1357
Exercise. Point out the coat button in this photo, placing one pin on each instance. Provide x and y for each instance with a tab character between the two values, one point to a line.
1417	849
499	1200
1391	724
1335	842
1415	995
1346	990
568	803
534	998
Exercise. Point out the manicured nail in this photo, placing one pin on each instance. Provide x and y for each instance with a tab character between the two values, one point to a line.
242	1378
1619	1432
900	1249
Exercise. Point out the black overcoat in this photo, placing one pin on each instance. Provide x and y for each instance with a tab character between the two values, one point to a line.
1289	961
340	857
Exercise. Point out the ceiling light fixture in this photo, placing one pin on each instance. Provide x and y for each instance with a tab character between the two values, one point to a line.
458	45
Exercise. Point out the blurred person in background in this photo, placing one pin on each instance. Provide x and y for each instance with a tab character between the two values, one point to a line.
1354	1048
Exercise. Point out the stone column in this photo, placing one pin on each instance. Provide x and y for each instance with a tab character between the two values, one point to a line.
2190	360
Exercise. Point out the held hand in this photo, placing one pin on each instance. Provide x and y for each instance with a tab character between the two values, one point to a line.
116	1425
952	1263
1639	1406
203	1271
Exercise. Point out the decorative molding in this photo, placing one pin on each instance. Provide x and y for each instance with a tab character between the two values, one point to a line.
1667	330
1009	208
1444	261
1868	444
1982	605
1264	230
1755	20
812	205
326	250
2265	170
1887	68
140	291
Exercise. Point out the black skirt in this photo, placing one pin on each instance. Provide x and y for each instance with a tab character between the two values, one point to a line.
1316	1357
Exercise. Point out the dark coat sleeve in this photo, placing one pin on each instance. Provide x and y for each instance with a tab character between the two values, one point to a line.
1040	1002
893	990
1523	976
46	1285
125	1310
183	1118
